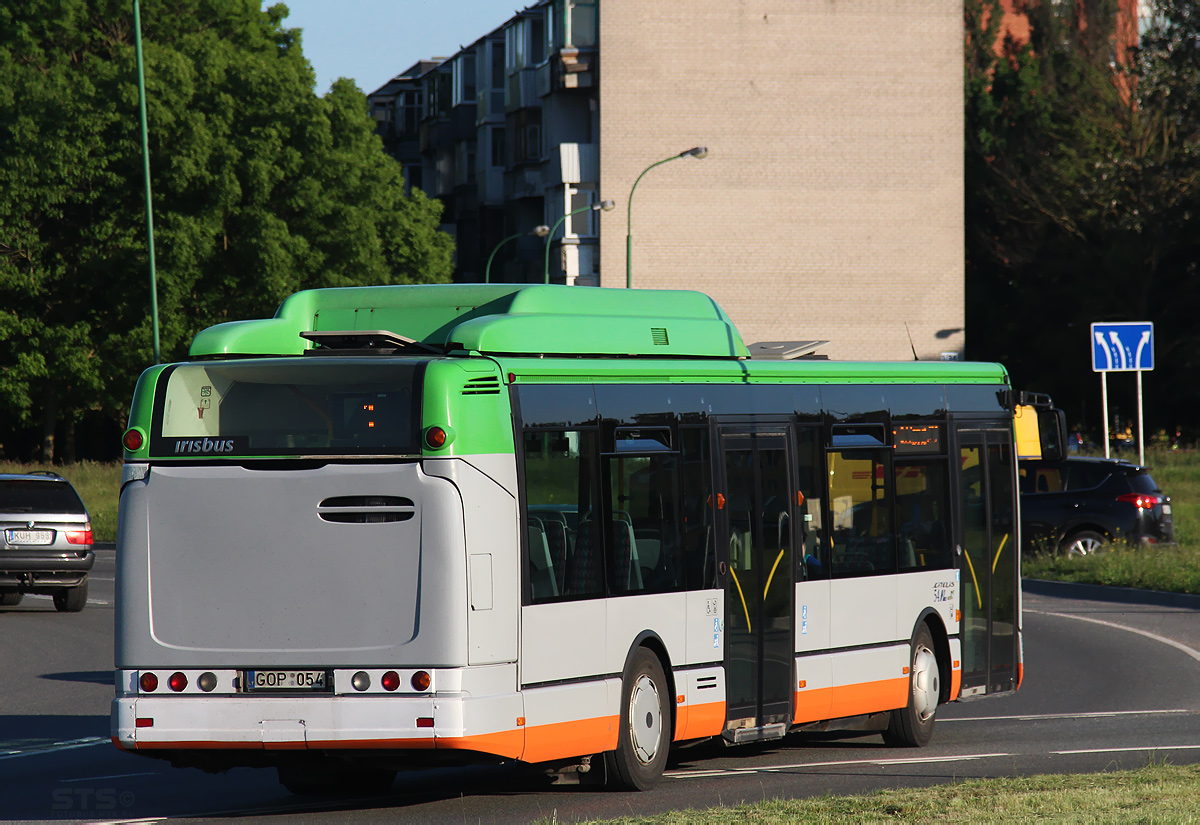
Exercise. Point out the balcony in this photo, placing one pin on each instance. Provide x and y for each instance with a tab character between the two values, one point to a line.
521	91
524	182
573	163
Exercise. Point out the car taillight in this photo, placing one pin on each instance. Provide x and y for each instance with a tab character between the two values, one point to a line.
1143	501
83	536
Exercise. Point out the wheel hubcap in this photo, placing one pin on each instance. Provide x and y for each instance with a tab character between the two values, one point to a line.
926	683
645	719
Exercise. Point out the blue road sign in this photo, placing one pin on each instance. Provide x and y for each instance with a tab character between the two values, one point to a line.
1123	346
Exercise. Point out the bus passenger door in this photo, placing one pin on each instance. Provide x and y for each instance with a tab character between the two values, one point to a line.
988	560
755	524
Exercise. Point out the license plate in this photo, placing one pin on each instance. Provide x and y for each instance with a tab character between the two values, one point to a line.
286	680
1166	509
29	536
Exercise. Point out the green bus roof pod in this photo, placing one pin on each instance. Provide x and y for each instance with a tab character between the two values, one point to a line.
494	318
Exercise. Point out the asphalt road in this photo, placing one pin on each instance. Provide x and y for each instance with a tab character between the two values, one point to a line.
1110	684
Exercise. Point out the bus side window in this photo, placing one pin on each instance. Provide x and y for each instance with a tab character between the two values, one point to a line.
812	562
862	539
699	542
563	548
922	515
644	537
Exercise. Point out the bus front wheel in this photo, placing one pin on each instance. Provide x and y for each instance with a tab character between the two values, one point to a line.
912	726
644	734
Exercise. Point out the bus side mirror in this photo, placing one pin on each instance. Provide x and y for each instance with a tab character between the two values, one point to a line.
1052	429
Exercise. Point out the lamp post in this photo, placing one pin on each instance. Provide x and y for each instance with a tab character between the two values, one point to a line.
607	206
697	152
539	231
141	78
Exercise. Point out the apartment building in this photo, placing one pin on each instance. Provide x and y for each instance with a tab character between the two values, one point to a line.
829	204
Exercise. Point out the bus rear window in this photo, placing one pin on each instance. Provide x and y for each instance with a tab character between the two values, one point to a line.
287	408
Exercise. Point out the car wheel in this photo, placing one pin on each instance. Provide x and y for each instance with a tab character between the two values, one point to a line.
912	726
71	599
644	733
1083	543
11	599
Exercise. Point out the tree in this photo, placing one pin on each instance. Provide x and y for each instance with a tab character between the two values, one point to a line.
260	188
1082	196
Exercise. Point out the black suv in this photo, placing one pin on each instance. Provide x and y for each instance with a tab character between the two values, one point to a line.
45	540
1078	505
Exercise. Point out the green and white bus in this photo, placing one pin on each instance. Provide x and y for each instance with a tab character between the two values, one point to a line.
415	525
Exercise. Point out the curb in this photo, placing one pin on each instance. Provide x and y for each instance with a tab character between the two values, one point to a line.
1106	593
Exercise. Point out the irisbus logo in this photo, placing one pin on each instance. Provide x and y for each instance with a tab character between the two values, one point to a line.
207	446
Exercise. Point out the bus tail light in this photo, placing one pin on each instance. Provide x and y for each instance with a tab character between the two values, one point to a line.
390	680
421	681
436	438
177	682
424	721
148	682
133	440
207	682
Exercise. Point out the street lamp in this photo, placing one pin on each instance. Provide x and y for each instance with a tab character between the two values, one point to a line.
697	152
607	206
141	79
539	231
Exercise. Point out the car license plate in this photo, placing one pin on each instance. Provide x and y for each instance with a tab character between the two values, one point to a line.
1166	509
29	536
286	680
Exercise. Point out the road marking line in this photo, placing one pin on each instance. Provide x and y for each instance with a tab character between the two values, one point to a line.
114	776
89	601
1038	716
1195	654
1131	750
802	765
89	742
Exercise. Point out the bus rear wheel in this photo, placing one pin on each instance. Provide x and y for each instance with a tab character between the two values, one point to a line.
644	734
912	725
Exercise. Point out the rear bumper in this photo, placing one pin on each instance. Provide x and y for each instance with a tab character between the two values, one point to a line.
319	723
33	569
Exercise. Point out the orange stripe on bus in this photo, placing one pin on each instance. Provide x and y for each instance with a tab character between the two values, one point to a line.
508	743
197	745
869	697
565	739
955	683
812	705
703	720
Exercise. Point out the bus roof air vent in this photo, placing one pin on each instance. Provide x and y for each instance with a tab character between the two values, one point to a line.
487	385
786	350
358	341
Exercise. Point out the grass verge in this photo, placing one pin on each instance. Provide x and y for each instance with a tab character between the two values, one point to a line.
1155	793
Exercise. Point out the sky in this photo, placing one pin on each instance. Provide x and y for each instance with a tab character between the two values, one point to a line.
371	41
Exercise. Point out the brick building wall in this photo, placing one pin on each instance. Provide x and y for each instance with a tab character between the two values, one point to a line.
830	205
